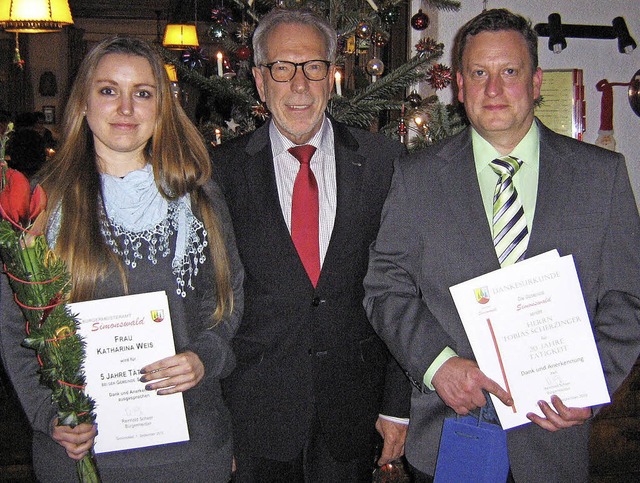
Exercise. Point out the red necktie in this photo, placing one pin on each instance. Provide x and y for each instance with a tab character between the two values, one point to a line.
305	213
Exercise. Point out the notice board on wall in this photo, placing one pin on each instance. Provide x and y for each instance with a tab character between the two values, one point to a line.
562	107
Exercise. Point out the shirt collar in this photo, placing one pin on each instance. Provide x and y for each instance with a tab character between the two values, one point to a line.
528	149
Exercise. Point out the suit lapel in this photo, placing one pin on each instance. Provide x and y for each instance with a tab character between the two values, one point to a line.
459	187
261	181
551	198
350	167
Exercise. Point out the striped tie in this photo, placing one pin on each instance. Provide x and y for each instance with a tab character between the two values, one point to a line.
510	233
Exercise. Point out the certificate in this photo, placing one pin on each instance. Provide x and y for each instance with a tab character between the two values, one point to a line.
122	335
530	332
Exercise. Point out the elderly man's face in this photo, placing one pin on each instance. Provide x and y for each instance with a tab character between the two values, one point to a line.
297	106
498	87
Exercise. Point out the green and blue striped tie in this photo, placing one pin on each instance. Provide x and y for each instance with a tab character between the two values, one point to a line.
510	233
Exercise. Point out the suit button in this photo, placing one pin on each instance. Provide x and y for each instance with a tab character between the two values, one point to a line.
316	301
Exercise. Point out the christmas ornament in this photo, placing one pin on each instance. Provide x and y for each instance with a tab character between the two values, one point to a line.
17	59
229	73
393	472
422	123
221	15
379	38
260	111
232	125
429	46
194	57
243	52
420	20
216	32
389	15
414	99
402	127
605	133
363	29
439	76
375	67
244	31
363	45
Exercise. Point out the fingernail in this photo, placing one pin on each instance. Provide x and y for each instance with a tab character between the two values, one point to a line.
148	387
541	404
143	371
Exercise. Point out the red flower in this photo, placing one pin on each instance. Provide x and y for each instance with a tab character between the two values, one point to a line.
17	203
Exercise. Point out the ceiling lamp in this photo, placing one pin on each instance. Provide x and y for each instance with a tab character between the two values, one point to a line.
34	16
180	36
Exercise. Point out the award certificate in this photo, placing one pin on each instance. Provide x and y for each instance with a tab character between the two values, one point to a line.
530	332
122	335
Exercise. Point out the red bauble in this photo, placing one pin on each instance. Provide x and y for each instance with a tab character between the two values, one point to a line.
243	52
420	20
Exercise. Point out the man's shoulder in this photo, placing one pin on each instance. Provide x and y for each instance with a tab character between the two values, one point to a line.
232	147
442	152
372	143
571	148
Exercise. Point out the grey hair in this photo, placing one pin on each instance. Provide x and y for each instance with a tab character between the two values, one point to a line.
279	16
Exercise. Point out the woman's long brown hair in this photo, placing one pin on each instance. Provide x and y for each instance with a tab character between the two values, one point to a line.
180	162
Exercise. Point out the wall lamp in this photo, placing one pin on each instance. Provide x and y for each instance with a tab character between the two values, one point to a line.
558	32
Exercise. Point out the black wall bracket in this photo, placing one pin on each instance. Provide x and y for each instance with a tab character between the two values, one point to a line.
558	33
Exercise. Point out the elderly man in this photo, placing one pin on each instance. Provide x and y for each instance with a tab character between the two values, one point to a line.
305	193
439	229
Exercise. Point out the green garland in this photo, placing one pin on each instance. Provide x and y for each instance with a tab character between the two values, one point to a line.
41	284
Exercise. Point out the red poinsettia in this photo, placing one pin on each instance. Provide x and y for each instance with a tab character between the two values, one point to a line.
17	203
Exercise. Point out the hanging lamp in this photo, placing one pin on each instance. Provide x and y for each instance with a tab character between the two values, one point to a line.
34	16
180	36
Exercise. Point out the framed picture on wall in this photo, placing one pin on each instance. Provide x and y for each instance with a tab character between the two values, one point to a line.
49	114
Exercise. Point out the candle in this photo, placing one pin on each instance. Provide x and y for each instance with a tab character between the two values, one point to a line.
338	77
373	5
374	78
218	137
220	70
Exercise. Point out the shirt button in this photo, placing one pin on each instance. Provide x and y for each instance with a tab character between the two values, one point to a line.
316	301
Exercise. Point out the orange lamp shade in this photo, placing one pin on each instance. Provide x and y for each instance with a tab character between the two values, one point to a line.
34	16
180	36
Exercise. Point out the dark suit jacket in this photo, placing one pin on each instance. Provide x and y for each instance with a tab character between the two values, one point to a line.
301	349
435	234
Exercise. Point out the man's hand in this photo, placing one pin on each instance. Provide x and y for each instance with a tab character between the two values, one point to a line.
394	435
173	374
459	383
562	417
76	441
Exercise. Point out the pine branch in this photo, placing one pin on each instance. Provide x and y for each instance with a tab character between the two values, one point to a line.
445	4
367	103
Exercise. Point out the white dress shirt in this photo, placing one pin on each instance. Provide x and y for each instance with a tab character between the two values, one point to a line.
323	165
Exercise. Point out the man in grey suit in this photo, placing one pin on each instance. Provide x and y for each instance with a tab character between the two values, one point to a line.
436	231
313	381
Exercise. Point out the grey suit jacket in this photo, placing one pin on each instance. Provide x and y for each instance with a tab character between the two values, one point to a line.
305	351
435	234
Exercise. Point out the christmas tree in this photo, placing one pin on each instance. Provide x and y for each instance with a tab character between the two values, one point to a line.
366	95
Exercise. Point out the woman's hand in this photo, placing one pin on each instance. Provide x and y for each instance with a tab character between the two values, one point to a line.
173	374
76	441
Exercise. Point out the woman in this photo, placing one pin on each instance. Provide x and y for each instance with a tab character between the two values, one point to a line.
132	210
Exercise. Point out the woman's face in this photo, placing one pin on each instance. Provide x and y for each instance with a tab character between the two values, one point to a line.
122	111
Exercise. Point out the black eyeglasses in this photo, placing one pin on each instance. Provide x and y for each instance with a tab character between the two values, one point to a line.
283	71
